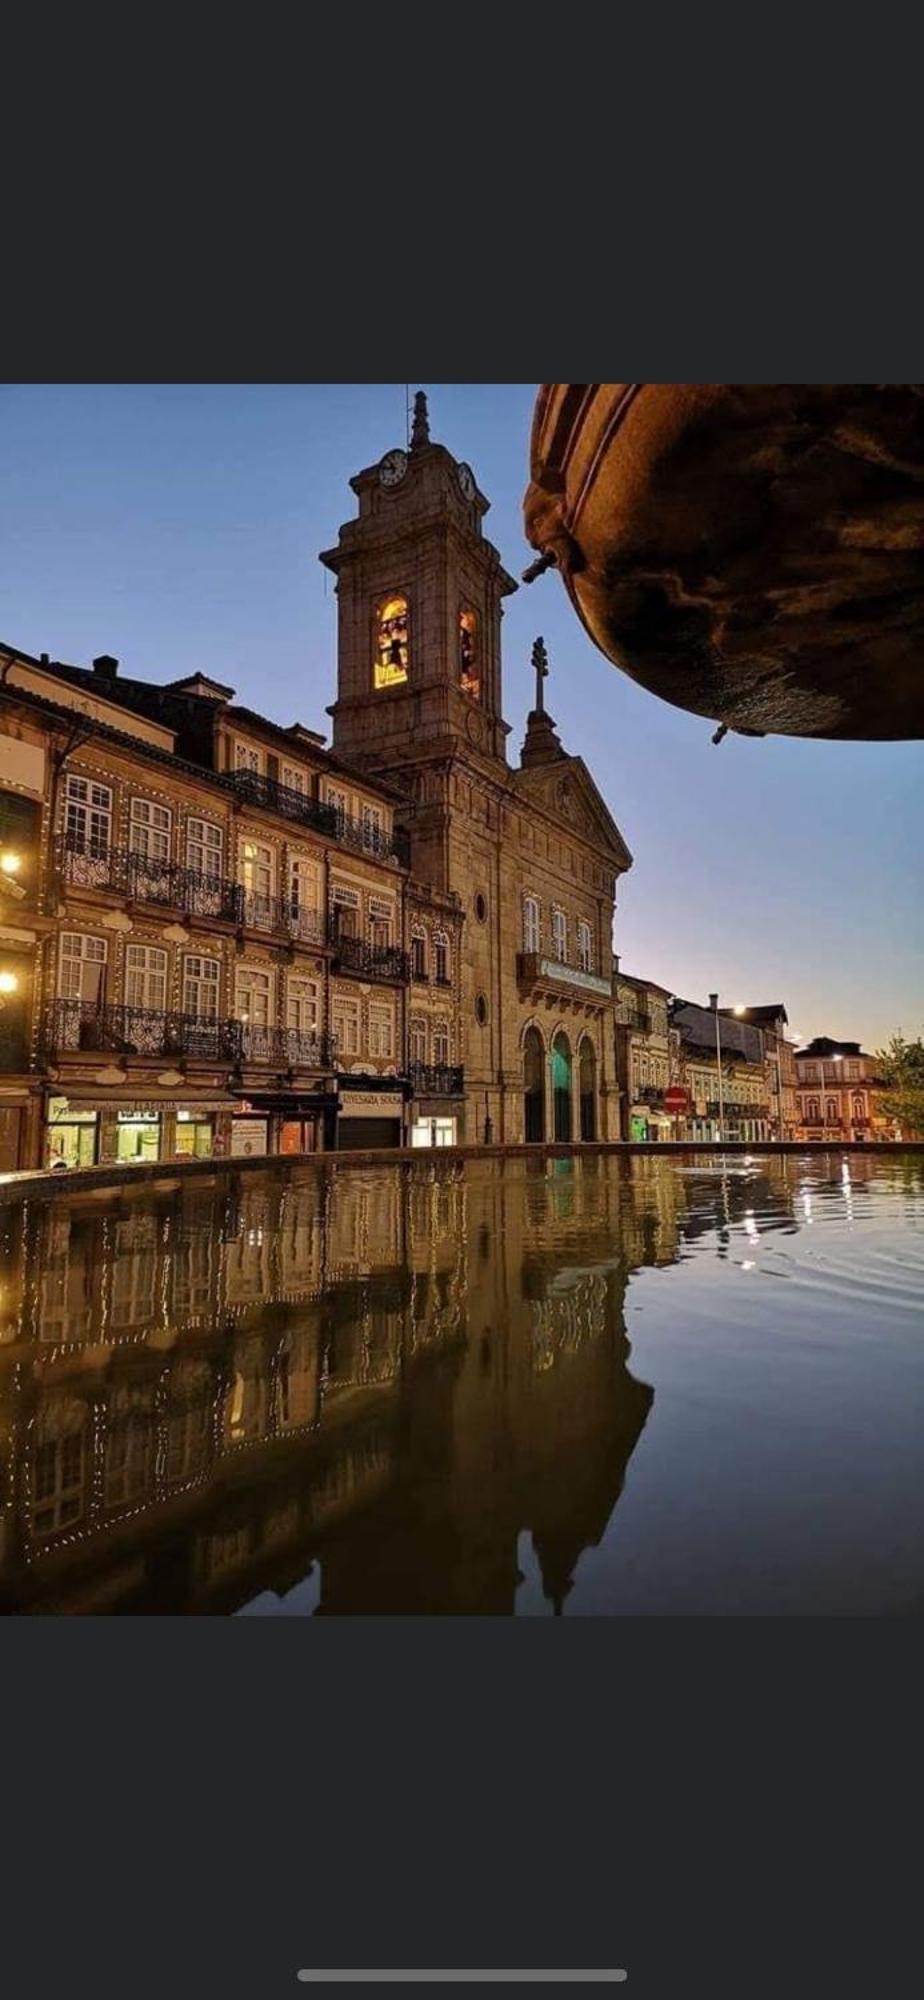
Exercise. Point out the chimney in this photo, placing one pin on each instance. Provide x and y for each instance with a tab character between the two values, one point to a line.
43	660
105	667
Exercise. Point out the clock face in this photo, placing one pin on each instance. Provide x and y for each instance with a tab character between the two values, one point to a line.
392	468
466	479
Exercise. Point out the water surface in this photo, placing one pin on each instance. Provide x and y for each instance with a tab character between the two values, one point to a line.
606	1385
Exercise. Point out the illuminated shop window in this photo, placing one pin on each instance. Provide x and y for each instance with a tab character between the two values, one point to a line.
391	654
469	663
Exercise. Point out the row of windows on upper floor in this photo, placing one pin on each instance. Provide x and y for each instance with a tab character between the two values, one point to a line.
392	646
430	953
261	1001
812	1112
846	1071
373	816
557	934
89	814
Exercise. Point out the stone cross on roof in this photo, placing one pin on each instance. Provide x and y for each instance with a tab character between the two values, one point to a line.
541	664
420	430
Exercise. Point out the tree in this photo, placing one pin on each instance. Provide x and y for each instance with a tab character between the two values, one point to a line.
901	1067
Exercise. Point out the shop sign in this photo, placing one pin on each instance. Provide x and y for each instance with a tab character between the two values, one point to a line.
369	1104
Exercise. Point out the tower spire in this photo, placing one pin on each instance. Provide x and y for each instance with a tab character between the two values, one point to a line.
541	744
420	430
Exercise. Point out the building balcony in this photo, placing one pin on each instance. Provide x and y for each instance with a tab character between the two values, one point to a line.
287	1048
279	913
437	1079
554	976
327	820
637	1023
736	1107
87	864
367	961
140	1031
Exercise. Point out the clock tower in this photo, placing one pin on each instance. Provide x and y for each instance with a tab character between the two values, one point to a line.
527	856
419	593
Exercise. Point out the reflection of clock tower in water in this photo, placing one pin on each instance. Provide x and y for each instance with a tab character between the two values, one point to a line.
419	692
531	851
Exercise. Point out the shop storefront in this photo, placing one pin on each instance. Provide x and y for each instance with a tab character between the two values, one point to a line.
287	1122
638	1127
71	1135
195	1134
87	1130
370	1118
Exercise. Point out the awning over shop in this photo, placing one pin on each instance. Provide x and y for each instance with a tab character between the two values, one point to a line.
292	1104
137	1100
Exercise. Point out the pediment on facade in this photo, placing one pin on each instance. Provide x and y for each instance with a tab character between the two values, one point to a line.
567	790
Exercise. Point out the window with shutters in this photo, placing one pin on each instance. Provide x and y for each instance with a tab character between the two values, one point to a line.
204	847
88	815
82	967
201	984
346	1026
146	977
530	924
253	990
418	953
302	1005
149	830
373	825
381	1030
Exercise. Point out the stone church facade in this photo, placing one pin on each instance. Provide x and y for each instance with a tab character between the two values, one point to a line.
529	852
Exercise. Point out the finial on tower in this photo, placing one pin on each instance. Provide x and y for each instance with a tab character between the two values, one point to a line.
420	431
541	664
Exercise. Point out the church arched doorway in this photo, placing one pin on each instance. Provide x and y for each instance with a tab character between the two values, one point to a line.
587	1084
561	1085
533	1087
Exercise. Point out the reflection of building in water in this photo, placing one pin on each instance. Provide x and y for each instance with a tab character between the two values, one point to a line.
398	1369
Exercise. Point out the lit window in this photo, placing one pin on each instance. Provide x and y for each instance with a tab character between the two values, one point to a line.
391	653
469	665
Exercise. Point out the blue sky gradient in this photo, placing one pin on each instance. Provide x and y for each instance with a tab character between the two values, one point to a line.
178	527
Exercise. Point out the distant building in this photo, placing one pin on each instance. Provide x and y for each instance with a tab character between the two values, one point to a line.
647	1057
779	1064
838	1092
727	1100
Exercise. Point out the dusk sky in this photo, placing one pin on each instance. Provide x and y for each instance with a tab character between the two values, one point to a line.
179	528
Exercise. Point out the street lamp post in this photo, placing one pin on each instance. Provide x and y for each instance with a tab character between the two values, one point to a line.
714	1004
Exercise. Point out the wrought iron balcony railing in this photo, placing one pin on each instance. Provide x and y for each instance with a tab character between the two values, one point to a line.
288	1048
736	1107
630	1017
89	864
281	913
326	819
368	961
124	1030
437	1079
